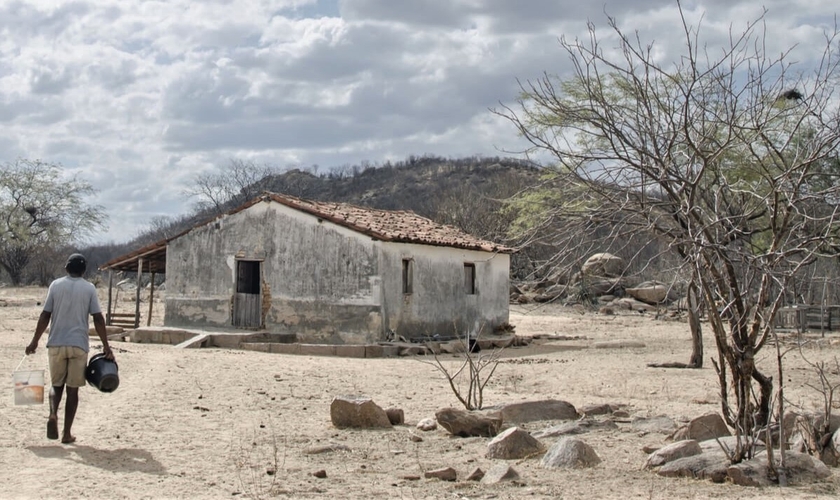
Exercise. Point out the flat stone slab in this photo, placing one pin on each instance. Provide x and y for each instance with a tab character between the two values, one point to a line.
619	344
532	411
193	342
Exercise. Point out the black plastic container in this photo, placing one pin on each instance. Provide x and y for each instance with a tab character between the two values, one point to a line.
103	373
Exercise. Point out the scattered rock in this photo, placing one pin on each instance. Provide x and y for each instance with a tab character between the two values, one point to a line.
358	412
727	444
576	427
410	477
327	448
660	424
603	264
835	443
672	452
465	424
569	452
708	426
427	424
651	292
650	448
801	469
514	443
445	474
415	438
633	305
395	416
531	411
605	286
499	473
320	474
711	466
475	475
592	410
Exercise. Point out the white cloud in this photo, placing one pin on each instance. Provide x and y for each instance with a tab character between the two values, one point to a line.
140	96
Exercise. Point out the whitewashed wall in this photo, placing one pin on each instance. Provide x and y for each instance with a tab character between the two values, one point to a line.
327	283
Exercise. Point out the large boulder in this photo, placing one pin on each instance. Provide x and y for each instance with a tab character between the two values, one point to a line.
633	305
709	426
514	443
569	452
673	451
652	292
465	424
357	411
532	411
601	287
712	466
575	427
728	444
801	469
603	264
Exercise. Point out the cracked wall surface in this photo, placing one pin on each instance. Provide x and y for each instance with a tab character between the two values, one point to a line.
327	283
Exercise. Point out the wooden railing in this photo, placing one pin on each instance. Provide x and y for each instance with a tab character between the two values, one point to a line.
125	320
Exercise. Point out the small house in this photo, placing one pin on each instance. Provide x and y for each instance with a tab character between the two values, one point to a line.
333	273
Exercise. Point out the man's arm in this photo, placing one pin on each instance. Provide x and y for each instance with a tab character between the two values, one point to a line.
40	328
99	324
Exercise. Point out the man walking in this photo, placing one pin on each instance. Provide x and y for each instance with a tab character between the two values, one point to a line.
70	300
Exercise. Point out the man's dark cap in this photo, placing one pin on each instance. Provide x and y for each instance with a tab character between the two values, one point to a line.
76	259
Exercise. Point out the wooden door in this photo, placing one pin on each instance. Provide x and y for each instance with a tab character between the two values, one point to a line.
247	303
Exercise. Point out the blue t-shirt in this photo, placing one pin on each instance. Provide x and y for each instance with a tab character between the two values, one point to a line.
71	301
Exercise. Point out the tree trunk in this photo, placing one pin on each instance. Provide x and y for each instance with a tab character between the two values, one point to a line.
696	360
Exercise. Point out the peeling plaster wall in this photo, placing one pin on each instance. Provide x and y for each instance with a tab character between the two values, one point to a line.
328	284
439	303
322	278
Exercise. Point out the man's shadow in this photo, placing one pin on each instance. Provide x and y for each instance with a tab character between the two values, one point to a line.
120	460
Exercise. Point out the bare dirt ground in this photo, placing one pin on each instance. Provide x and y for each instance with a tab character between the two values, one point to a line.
217	423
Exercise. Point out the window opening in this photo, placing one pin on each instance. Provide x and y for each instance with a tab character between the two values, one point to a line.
469	278
407	276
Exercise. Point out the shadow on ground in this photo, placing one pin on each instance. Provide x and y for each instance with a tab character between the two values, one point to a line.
119	460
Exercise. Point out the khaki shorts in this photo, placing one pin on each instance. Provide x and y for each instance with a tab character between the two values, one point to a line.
67	366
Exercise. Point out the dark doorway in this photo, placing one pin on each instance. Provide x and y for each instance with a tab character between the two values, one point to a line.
247	303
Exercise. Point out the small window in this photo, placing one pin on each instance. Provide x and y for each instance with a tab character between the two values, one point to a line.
469	278
407	276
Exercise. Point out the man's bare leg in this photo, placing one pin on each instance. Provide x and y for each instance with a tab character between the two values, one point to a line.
56	392
70	414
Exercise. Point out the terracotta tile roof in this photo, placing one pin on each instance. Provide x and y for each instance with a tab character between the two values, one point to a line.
388	225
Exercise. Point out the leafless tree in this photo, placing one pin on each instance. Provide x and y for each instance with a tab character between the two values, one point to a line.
715	155
235	183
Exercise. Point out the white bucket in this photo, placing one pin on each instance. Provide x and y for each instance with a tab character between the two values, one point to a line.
29	387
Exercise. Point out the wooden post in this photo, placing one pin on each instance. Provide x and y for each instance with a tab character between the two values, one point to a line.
110	291
137	294
822	309
151	300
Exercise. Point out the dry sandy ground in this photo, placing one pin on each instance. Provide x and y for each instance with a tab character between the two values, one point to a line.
209	423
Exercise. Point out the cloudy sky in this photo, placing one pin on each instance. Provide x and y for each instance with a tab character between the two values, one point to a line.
140	96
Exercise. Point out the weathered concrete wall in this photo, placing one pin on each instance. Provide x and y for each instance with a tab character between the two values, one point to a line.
439	303
328	284
320	280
